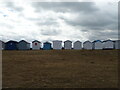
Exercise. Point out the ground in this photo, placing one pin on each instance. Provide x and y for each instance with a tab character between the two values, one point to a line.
60	69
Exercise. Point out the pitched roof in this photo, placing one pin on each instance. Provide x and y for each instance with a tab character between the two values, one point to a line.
86	42
77	42
36	41
107	40
24	41
12	41
67	41
57	41
47	42
97	41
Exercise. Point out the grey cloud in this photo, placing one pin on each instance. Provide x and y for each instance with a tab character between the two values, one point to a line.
103	35
90	20
17	37
34	19
66	6
95	22
47	22
6	25
84	30
52	32
13	6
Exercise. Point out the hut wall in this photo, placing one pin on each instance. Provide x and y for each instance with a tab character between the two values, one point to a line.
57	44
77	45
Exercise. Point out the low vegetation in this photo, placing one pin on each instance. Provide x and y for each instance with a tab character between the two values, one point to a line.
60	69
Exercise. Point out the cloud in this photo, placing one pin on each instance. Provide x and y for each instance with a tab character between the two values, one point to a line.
104	22
13	6
66	6
47	21
49	32
104	35
103	19
6	25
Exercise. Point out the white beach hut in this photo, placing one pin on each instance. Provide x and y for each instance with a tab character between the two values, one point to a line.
36	45
97	44
117	44
57	44
88	45
77	45
108	44
68	44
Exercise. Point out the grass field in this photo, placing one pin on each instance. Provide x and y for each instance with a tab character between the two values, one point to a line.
60	69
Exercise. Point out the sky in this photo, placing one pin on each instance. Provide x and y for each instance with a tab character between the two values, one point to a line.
47	21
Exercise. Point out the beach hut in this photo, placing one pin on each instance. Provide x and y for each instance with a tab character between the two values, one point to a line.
11	45
23	45
117	44
108	44
36	45
2	45
68	44
97	44
87	45
57	44
77	45
47	46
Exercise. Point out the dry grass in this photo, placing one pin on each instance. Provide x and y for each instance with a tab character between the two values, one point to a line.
60	69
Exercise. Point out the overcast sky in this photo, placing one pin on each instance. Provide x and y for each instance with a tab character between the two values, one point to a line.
47	21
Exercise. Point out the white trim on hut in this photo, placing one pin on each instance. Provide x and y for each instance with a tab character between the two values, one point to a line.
68	44
57	44
97	44
88	45
108	44
77	45
36	45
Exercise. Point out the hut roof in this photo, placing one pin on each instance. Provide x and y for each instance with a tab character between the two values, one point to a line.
57	41
24	41
36	41
108	40
47	42
67	41
77	41
86	42
12	41
97	41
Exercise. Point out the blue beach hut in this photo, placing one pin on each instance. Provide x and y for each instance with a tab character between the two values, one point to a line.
11	45
47	46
